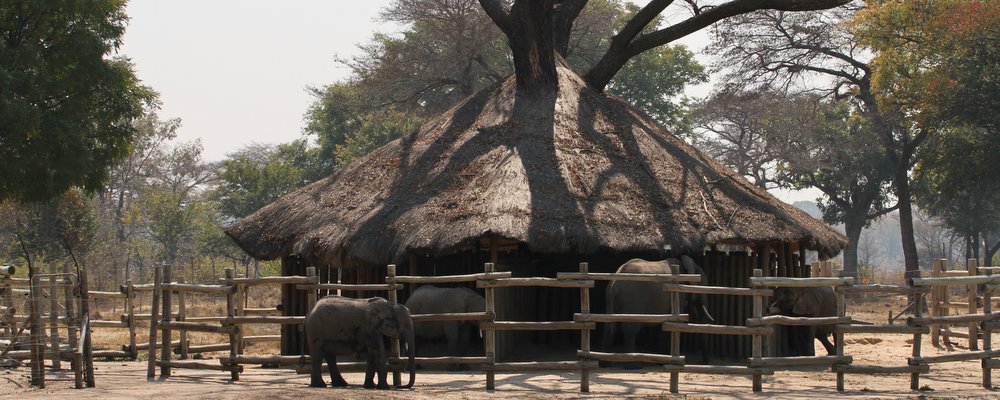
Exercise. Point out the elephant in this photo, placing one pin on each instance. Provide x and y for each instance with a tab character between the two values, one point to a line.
808	302
630	297
429	299
340	326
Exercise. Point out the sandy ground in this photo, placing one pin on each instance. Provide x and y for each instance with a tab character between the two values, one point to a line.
128	380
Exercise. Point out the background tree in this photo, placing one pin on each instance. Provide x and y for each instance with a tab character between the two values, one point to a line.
256	175
817	52
938	60
67	105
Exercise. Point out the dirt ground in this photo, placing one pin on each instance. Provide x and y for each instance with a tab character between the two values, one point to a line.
128	380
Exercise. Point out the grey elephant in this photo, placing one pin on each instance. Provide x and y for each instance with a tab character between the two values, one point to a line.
629	297
340	326
808	302
429	299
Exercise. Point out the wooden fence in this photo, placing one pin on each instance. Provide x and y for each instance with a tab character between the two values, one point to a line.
759	326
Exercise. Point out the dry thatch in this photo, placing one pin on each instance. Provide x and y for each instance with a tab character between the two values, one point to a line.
579	172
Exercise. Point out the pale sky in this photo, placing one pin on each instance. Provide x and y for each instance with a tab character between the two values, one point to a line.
236	71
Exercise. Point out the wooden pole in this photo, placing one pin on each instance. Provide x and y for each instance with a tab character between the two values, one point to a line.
972	267
987	335
54	319
167	310
584	334
181	316
838	337
151	367
71	330
757	351
35	323
241	300
915	376
675	337
130	305
489	335
234	345
390	279
88	343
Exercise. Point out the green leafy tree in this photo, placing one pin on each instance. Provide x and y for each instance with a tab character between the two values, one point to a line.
66	105
257	174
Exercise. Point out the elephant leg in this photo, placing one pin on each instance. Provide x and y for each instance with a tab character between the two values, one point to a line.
451	337
830	349
316	374
382	364
629	333
336	380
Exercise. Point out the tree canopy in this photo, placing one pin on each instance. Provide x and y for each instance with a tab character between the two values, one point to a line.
66	105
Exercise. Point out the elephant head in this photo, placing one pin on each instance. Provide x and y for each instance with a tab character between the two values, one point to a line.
697	303
808	302
393	320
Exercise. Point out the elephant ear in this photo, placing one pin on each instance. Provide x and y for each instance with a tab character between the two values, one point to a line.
380	318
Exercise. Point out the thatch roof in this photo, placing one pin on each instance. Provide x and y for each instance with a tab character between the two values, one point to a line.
578	173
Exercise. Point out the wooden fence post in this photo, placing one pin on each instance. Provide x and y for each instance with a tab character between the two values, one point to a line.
54	319
71	330
915	376
154	317
35	323
972	266
675	337
130	305
987	335
585	334
756	351
489	336
234	346
167	316
182	316
390	279
838	337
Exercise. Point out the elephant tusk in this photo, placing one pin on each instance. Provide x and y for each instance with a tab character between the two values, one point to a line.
708	315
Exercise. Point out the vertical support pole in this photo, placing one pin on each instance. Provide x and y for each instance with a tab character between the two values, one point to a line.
88	342
935	309
312	296
71	330
758	342
234	345
153	320
838	336
945	307
675	337
987	334
181	316
915	376
130	305
972	266
167	315
241	301
390	280
54	319
489	338
35	323
584	334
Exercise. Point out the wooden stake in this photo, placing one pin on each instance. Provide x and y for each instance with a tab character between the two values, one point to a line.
151	367
584	334
234	346
181	316
972	267
390	279
757	350
915	376
489	335
675	337
54	320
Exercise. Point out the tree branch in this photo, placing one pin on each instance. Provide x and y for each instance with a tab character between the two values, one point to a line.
496	13
566	12
619	53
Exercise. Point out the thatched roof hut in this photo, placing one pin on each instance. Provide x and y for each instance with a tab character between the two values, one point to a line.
581	173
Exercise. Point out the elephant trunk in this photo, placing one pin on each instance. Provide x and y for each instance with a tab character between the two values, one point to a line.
411	354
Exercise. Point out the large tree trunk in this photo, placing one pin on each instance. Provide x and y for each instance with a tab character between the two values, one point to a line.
910	257
533	47
853	225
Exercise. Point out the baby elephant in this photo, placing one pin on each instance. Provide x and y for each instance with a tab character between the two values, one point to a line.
808	302
339	326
